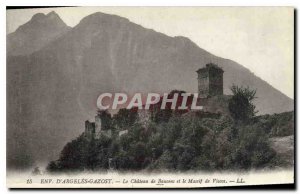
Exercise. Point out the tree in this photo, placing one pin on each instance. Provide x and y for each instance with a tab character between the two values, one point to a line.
125	118
241	105
252	148
73	157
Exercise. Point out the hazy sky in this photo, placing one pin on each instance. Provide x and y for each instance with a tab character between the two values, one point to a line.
259	38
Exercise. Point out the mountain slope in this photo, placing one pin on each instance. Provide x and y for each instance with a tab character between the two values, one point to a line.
35	34
54	90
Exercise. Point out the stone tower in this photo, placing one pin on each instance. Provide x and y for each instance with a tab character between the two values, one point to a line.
102	123
89	129
98	124
210	81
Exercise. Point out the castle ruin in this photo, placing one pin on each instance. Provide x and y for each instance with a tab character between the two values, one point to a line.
210	84
101	126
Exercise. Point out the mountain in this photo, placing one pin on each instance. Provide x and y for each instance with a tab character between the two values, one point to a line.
52	91
33	35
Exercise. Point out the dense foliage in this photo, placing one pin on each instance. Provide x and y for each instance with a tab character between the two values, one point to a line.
277	125
182	142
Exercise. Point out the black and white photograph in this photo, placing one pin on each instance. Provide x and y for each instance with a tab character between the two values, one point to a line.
150	97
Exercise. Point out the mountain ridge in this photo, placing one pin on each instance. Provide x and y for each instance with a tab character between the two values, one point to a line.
54	89
40	30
